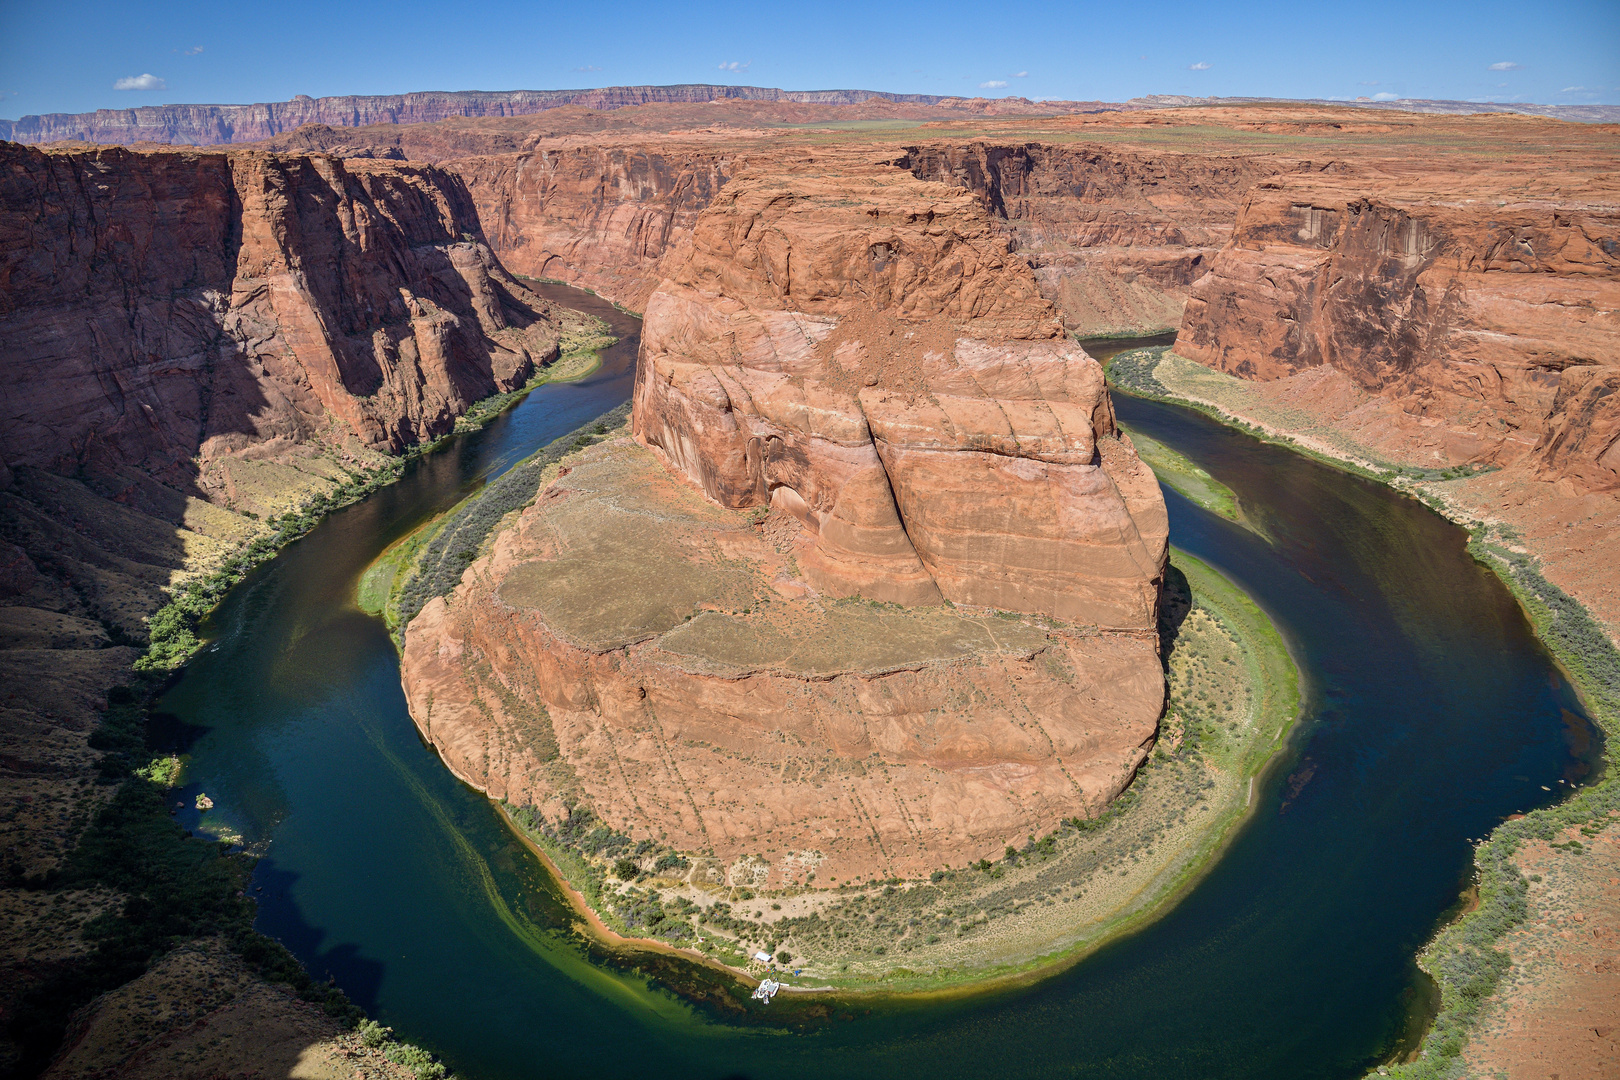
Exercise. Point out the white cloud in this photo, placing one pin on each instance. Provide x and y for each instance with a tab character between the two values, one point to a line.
1385	96
993	84
194	50
1574	90
140	82
588	67
1200	66
1020	74
733	65
1506	65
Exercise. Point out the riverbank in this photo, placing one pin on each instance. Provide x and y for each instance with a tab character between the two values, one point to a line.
1026	915
1471	959
126	883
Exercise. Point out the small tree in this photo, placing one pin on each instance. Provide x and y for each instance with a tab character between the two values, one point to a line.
784	957
625	869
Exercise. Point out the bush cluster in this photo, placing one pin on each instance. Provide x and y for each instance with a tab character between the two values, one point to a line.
419	1061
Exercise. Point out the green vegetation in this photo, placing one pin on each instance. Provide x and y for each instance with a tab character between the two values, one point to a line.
1176	470
419	1061
1234	693
587	851
456	538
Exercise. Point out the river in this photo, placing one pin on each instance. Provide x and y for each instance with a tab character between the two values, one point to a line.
1431	712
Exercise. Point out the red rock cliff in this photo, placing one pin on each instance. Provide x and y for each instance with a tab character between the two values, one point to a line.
163	307
1482	309
860	349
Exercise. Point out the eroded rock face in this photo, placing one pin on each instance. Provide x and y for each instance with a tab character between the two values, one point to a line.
161	310
852	405
862	351
1493	320
630	646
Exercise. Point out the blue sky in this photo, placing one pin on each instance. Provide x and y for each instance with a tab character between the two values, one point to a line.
60	57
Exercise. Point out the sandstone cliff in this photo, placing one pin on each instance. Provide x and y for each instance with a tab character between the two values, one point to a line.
208	125
853	393
166	310
862	350
189	344
1116	237
1486	314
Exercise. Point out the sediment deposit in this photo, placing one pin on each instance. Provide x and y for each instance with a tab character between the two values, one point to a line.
858	409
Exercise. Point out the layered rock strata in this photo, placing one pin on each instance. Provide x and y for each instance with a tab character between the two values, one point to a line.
163	310
191	343
1490	323
855	406
862	351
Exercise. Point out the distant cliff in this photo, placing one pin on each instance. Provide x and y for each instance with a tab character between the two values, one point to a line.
211	125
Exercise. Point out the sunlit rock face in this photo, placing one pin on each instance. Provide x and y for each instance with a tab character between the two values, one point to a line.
861	350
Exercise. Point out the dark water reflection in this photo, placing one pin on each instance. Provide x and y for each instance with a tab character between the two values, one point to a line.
1431	714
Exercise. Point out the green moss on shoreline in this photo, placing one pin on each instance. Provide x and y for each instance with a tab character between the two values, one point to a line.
1235	694
1177	471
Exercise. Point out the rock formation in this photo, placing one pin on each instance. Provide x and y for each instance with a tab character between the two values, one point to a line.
1489	321
850	389
861	350
163	310
191	343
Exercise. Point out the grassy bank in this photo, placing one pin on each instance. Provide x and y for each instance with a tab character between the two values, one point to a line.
430	561
1178	471
1234	693
139	884
1468	959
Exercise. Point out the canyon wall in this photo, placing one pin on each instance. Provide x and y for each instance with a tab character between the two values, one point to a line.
1488	317
877	590
190	344
1116	237
165	310
209	125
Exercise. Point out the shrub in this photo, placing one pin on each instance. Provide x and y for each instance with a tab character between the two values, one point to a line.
625	869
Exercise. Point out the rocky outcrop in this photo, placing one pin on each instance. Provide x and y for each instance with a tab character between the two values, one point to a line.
630	647
594	216
863	351
1489	318
851	391
164	310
